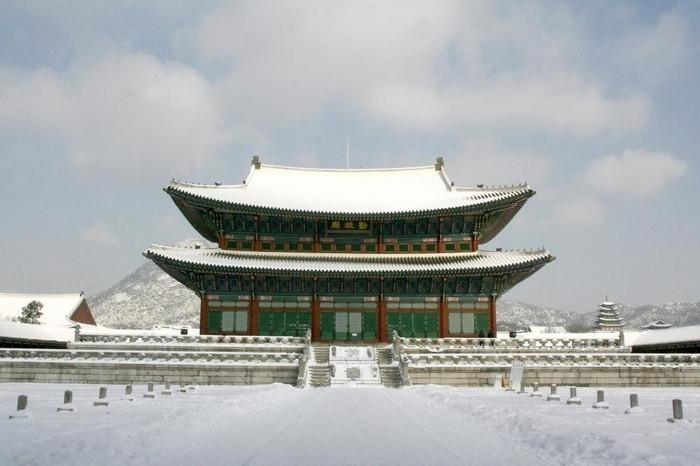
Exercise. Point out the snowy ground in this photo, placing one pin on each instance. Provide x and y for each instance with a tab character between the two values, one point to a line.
278	424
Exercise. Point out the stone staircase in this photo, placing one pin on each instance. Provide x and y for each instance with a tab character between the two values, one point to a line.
389	371
354	365
319	370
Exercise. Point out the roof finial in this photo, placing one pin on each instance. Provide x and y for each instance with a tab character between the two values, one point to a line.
439	163
256	162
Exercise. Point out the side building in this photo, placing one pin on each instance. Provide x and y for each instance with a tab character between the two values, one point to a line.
351	254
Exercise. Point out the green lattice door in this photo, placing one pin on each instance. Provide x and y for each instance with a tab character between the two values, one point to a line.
287	323
349	326
413	324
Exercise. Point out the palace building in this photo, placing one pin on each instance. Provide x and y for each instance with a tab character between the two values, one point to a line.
350	254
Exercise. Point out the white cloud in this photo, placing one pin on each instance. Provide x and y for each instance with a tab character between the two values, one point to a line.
656	48
129	114
484	162
411	64
561	102
635	172
99	234
579	211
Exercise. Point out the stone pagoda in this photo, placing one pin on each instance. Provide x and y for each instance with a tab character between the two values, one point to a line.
608	319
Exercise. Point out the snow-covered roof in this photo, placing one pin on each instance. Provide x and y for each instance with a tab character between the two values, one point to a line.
545	329
657	324
352	191
57	310
324	262
669	335
35	332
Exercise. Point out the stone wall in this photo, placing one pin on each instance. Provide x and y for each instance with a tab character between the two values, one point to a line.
650	376
124	373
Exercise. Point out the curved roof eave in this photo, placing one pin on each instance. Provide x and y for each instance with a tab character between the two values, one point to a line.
517	195
398	264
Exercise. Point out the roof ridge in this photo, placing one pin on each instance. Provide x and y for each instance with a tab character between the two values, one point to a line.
348	170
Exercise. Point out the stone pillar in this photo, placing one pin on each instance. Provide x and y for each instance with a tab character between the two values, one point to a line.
149	393
67	402
101	398
22	412
677	411
573	398
600	401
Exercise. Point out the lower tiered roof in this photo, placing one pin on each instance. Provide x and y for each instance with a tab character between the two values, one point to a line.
480	262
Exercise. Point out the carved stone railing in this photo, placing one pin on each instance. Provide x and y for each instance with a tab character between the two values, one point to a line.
553	359
304	361
190	339
400	358
198	357
512	345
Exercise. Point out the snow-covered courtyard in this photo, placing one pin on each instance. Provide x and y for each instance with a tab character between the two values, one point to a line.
279	424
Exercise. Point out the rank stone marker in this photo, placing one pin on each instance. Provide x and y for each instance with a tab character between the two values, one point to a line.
128	393
573	399
101	400
166	390
677	411
149	393
553	393
634	405
22	412
536	390
67	402
600	401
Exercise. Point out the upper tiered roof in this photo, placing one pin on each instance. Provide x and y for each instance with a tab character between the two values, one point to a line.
352	191
246	261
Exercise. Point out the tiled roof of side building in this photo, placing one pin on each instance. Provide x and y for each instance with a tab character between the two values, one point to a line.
356	191
57	307
481	261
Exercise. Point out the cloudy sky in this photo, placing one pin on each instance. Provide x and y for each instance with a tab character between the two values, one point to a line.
595	104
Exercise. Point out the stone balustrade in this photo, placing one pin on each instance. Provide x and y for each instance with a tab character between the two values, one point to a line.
191	339
127	356
552	359
512	345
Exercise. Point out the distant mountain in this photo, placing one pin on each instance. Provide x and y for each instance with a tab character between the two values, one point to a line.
148	297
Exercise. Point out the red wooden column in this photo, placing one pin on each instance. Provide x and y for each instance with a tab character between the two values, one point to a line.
254	310
203	316
381	319
492	311
315	319
256	241
443	317
222	241
444	321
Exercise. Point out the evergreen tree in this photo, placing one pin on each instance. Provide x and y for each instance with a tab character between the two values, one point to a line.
31	313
